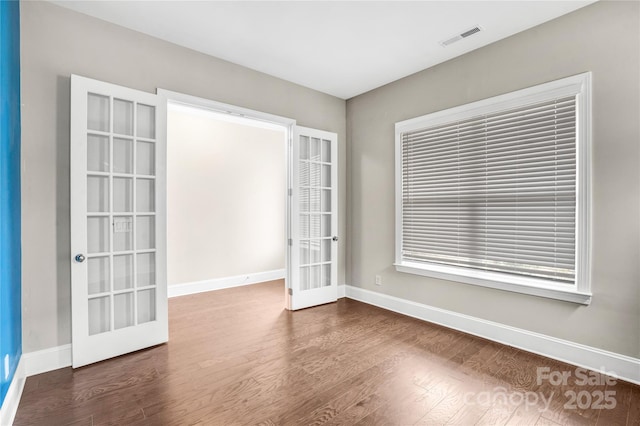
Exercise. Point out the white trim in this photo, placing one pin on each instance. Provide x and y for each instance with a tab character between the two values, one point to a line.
38	362
622	366
498	281
219	107
342	291
14	393
580	292
226	282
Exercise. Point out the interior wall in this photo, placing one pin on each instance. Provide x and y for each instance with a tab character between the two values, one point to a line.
57	42
10	295
226	197
602	38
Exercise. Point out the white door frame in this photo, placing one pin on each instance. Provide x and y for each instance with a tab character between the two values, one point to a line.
168	96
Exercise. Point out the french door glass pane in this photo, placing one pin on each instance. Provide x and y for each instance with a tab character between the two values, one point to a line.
146	269
123	315
122	194
98	112
122	233
314	174
314	228
97	153
97	234
314	249
314	154
99	315
326	176
146	121
304	252
314	200
326	225
304	148
98	275
326	275
122	272
123	117
304	200
146	158
325	250
122	155
326	151
146	306
145	232
314	277
97	194
304	226
304	278
326	200
304	173
145	195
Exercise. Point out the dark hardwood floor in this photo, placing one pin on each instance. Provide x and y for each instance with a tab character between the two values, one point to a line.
237	357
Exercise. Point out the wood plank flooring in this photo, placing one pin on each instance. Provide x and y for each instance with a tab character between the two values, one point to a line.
236	357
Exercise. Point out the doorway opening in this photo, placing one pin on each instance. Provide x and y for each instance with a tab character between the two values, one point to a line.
226	199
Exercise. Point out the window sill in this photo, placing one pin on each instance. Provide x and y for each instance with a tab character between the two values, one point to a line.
498	281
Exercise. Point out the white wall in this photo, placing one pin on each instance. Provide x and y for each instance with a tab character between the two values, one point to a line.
602	38
226	195
57	42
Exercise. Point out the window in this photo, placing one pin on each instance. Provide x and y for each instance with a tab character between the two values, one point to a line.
496	192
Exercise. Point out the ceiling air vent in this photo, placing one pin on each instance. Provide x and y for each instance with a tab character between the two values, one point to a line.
464	34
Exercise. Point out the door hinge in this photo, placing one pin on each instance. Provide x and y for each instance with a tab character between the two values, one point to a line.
290	291
290	242
290	192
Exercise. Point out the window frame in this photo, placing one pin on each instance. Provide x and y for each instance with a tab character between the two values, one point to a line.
580	291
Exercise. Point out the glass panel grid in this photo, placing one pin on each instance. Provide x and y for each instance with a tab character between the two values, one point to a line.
315	203
125	233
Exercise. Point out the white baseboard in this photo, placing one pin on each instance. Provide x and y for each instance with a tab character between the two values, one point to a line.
49	359
227	282
12	399
341	291
624	367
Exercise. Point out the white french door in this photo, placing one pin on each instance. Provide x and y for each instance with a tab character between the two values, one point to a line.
118	220
313	221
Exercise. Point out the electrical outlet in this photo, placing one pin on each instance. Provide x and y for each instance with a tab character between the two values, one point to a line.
378	280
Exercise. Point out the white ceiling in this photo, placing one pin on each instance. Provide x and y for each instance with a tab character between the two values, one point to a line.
337	47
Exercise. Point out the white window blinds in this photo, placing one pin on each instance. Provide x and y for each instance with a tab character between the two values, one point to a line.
494	192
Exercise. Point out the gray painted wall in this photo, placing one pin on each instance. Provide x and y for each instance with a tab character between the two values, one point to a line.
57	42
603	38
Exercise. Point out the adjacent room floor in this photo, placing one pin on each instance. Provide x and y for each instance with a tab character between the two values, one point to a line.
237	357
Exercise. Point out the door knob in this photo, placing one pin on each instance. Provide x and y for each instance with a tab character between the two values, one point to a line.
335	238
80	258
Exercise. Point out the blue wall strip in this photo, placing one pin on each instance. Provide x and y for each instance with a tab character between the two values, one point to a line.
10	248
